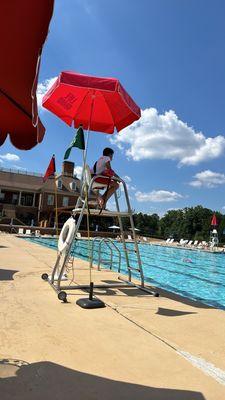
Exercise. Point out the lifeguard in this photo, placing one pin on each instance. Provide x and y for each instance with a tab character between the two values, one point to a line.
103	167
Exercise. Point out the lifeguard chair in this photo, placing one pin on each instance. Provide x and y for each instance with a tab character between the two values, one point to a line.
102	105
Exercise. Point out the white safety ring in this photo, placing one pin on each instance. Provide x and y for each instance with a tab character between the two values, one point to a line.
66	235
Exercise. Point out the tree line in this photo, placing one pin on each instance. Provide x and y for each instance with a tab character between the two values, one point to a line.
193	223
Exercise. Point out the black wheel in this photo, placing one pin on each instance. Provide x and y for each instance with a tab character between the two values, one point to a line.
44	277
62	296
156	294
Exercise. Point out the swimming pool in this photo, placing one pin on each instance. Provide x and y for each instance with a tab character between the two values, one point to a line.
195	274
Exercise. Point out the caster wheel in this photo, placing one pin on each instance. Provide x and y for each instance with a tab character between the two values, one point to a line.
44	277
62	296
156	295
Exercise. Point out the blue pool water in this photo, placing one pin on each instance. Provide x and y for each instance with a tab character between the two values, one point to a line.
194	274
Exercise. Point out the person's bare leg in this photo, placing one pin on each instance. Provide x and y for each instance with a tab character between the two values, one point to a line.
106	196
99	199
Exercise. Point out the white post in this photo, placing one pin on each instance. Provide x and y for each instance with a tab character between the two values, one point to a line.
19	201
34	197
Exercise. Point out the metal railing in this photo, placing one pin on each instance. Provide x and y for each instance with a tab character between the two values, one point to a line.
111	246
20	171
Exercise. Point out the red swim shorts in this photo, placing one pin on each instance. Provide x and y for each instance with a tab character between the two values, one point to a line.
104	181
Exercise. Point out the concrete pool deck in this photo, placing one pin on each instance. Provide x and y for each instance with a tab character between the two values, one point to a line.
138	347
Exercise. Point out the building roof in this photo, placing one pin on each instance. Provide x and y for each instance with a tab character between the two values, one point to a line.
20	180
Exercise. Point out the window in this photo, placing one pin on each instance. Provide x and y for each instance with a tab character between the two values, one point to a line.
59	184
15	198
2	195
50	200
73	186
65	201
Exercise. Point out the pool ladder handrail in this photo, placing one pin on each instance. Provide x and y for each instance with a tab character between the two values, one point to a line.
112	246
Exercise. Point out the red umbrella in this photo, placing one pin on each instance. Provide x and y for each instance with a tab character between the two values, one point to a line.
23	30
99	104
214	220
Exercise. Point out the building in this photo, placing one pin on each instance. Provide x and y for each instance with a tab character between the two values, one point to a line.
28	200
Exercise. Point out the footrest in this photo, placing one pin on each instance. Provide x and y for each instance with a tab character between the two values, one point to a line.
105	261
134	269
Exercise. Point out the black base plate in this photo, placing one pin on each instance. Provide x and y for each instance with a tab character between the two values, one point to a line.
87	303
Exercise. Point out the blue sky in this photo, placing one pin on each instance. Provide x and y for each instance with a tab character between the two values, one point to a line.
169	55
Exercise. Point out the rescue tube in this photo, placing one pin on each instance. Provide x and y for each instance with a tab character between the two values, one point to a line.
66	235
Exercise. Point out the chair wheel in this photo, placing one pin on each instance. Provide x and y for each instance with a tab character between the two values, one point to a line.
44	277
156	294
62	296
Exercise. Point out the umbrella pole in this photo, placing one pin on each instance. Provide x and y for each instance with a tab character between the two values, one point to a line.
89	302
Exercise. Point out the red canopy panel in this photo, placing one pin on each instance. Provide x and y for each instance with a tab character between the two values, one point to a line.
23	30
99	104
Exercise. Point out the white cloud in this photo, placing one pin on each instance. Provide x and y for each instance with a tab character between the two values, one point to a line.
19	168
165	136
42	88
208	179
9	157
127	178
158	196
78	171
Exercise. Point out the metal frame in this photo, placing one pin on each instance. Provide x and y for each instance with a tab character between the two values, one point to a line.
82	209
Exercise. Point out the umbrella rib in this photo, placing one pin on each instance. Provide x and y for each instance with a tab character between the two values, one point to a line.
108	108
14	102
81	104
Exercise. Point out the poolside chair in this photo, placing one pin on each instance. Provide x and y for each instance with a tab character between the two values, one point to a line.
195	243
189	243
28	232
20	231
180	243
129	237
37	233
79	235
145	239
171	241
168	240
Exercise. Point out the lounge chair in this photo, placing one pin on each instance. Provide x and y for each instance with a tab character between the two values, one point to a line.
201	245
37	233
129	237
171	241
195	243
168	240
145	239
189	243
78	235
28	232
20	231
180	243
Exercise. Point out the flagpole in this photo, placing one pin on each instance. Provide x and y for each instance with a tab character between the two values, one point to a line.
56	200
56	208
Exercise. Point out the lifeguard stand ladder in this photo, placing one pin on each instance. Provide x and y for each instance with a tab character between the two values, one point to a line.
64	260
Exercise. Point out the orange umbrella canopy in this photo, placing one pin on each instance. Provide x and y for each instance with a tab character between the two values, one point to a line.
23	30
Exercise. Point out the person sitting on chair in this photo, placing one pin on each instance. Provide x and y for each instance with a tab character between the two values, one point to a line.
103	167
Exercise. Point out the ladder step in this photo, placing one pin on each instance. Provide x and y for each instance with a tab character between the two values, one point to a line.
134	269
106	261
104	213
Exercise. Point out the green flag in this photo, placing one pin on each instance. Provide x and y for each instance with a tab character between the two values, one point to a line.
78	141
